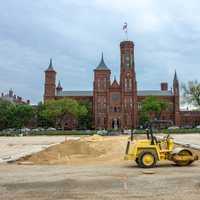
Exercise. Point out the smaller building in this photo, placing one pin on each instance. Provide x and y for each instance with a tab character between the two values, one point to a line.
12	97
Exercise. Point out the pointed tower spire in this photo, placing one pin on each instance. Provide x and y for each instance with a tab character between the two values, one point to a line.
176	100
175	76
102	65
59	85
50	64
176	84
50	67
175	81
59	89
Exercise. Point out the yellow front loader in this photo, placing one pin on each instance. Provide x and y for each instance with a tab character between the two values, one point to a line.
147	152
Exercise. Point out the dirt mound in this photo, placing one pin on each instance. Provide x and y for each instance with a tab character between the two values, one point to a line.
94	149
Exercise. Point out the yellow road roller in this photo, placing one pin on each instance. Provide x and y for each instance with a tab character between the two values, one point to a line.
147	152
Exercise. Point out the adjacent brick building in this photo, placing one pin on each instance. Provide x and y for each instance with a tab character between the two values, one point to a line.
117	104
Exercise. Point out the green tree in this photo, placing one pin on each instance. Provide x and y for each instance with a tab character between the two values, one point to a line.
43	117
57	111
15	115
143	118
21	115
153	105
85	120
191	93
6	113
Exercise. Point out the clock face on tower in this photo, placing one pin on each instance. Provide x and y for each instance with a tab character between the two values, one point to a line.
127	58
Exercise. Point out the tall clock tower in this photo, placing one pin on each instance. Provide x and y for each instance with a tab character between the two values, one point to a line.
128	85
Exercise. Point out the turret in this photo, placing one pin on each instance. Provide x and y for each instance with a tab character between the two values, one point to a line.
102	76
176	85
176	100
50	82
101	94
59	89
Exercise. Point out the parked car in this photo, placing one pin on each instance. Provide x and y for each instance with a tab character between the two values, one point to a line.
198	126
187	127
127	131
102	132
41	129
173	127
25	130
51	129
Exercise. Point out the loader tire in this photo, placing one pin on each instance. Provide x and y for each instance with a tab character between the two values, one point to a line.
147	159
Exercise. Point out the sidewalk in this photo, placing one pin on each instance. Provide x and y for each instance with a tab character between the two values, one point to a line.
13	148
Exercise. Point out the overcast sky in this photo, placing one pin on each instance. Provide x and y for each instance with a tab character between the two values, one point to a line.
74	33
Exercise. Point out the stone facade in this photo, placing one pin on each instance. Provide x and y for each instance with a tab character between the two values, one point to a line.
12	97
117	104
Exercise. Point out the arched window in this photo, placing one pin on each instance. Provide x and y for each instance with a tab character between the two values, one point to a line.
98	83
104	83
126	84
130	83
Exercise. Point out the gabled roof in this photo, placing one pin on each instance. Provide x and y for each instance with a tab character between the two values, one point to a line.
102	65
115	84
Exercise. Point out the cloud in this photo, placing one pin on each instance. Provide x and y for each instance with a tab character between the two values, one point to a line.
74	33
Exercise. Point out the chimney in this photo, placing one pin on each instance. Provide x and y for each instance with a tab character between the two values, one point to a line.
164	86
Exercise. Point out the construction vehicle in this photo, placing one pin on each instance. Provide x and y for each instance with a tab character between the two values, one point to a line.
147	152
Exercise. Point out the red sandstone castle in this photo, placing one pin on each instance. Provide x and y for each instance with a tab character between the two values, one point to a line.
117	104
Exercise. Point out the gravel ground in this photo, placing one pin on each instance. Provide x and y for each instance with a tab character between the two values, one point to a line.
123	181
16	147
107	181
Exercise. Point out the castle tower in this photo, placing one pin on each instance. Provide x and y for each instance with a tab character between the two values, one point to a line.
176	100
101	95
59	89
128	85
50	82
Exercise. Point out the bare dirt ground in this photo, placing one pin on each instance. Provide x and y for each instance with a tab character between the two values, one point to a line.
93	168
120	181
86	150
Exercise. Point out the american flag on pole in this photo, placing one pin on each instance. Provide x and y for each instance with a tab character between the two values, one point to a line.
125	27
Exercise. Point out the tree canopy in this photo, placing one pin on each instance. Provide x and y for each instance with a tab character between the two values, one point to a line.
152	105
191	93
13	115
57	111
53	113
85	120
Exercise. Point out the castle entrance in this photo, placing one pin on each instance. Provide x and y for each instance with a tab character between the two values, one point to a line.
115	124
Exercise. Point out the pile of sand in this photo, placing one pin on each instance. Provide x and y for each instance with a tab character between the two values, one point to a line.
93	149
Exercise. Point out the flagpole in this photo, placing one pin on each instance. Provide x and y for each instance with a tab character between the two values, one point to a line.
125	29
127	34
